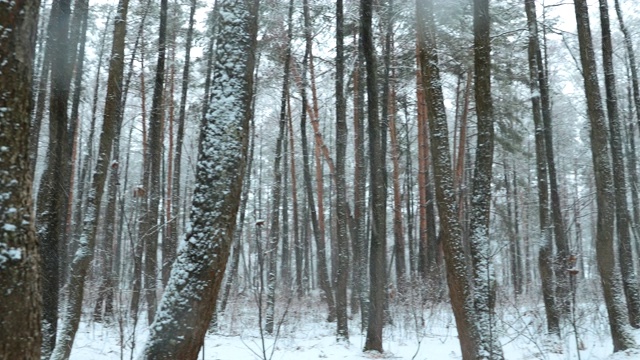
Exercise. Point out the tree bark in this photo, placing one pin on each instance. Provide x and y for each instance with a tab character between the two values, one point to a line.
483	273
149	226
52	198
189	301
605	199
377	250
84	255
177	165
323	274
458	277
342	275
276	190
20	287
625	250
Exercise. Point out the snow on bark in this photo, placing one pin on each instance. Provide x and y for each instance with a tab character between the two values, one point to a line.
189	300
610	278
20	290
82	259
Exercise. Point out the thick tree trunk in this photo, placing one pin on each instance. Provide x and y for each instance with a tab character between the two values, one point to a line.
458	277
625	251
20	287
52	199
377	250
483	273
189	300
605	199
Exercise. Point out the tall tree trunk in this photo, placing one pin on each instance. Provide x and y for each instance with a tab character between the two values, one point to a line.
317	232
78	38
169	243
559	230
483	273
378	247
189	301
140	202
52	197
545	257
458	277
82	260
625	251
398	231
149	226
41	97
276	190
633	67
20	287
359	242
342	275
177	164
297	241
610	280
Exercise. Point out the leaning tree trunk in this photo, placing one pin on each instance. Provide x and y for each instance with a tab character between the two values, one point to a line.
83	257
458	277
605	199
20	296
189	300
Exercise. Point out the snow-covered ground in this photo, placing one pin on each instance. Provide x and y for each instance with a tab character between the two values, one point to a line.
417	332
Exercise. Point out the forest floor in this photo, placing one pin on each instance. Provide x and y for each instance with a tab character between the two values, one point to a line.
416	332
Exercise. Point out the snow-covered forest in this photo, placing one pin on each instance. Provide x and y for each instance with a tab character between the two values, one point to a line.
273	179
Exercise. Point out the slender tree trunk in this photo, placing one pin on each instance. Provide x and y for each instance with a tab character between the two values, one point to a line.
20	286
140	200
41	98
177	165
398	231
628	43
78	38
297	241
360	244
276	190
149	225
545	257
317	230
189	302
610	280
